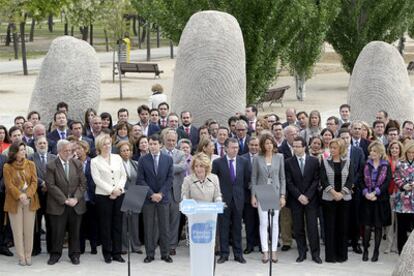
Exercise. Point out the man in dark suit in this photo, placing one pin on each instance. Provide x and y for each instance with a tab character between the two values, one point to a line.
148	129
357	158
242	137
179	168
76	129
290	133
222	135
27	132
172	120
189	129
357	141
302	180
164	110
66	186
233	173
41	157
4	249
250	215
155	171
61	131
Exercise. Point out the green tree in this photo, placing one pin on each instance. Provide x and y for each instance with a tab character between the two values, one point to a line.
304	52
362	21
268	27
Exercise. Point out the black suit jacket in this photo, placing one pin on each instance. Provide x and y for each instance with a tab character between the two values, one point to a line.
194	138
55	136
245	148
152	128
285	150
232	191
358	162
3	160
160	182
247	190
363	144
298	184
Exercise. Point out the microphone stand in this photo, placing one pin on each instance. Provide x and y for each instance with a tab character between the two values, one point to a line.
271	214
129	242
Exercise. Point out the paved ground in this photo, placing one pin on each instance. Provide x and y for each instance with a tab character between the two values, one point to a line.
94	265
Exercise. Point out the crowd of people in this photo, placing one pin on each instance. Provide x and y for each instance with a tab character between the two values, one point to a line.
335	185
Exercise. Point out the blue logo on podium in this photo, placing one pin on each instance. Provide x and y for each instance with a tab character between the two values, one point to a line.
202	232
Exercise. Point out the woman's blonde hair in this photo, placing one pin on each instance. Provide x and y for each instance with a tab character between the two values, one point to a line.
379	148
204	161
100	141
341	144
157	88
204	142
409	146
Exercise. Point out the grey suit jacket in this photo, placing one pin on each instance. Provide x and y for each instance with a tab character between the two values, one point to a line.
59	188
132	176
179	167
260	174
40	171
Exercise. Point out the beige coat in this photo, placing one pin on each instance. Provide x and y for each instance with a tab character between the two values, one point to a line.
209	191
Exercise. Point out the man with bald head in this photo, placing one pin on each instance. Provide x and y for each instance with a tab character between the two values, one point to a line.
290	117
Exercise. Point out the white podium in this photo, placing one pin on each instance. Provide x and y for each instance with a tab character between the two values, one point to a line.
202	221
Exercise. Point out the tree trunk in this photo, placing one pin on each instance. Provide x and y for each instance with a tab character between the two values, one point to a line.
84	32
158	36
171	49
32	29
8	35
72	29
134	24
91	35
139	34
50	23
23	42
401	45
300	86
15	41
66	28
106	40
144	32
148	41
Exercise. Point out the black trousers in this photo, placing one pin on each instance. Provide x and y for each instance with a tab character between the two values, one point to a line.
231	218
40	213
2	217
300	214
150	210
70	221
110	224
354	225
336	216
251	222
405	224
89	227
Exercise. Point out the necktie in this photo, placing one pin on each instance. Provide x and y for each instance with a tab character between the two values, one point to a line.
43	161
66	167
232	172
187	130
221	151
163	122
170	153
156	163
63	135
356	144
241	144
301	165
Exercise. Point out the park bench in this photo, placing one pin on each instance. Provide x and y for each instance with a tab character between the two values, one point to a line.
127	67
273	95
410	67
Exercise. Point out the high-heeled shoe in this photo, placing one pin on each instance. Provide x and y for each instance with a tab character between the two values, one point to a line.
274	257
265	257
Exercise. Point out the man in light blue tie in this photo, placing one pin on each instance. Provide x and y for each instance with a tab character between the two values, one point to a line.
60	122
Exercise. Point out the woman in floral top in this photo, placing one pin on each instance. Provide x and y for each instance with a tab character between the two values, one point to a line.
404	198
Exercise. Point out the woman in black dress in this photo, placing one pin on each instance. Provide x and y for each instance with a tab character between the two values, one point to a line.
375	207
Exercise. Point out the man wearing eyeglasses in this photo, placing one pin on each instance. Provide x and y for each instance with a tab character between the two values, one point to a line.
242	137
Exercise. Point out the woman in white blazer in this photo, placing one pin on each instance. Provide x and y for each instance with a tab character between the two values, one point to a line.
268	169
109	176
